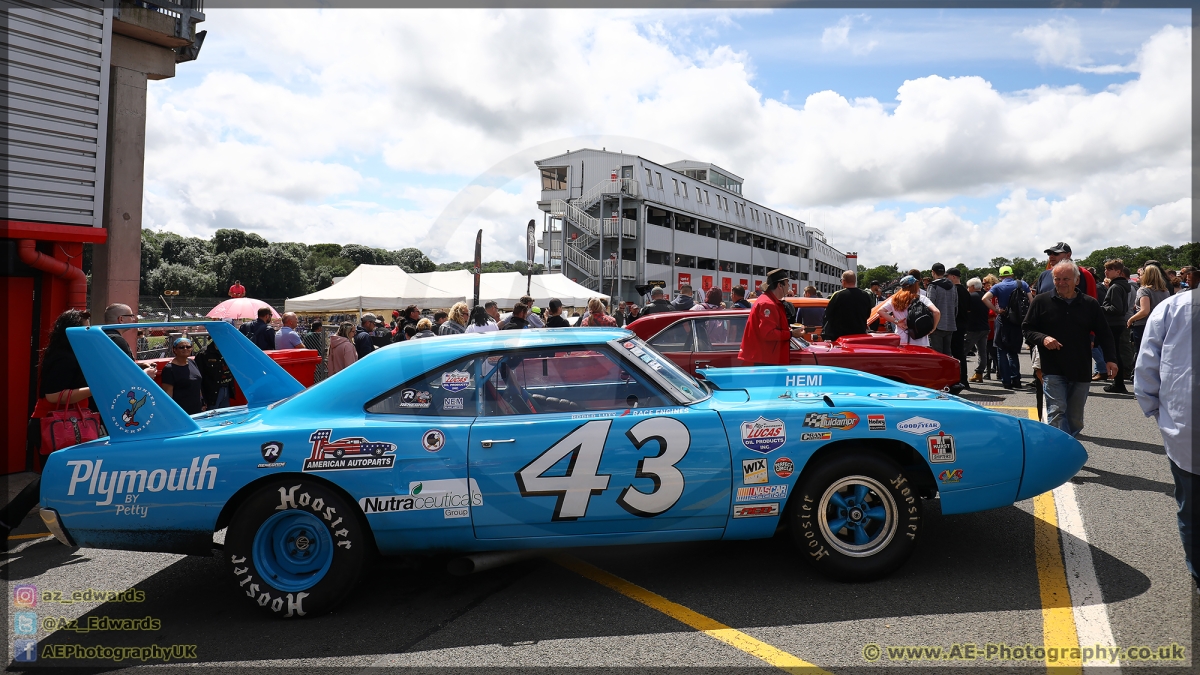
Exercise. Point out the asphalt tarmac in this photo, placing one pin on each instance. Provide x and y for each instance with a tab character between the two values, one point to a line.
1097	560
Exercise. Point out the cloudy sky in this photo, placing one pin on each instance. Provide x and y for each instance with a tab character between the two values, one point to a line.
907	135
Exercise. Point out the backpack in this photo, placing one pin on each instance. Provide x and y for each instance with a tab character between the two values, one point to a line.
1018	306
920	320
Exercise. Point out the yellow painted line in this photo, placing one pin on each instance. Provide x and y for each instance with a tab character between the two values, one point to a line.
714	629
1058	616
29	536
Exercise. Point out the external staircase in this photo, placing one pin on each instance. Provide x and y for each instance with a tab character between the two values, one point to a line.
582	248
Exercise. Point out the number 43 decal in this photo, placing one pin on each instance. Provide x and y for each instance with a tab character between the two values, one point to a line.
585	445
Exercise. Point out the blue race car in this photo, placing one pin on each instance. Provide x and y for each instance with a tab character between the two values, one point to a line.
530	439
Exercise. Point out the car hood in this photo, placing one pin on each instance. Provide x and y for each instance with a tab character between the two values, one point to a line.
773	383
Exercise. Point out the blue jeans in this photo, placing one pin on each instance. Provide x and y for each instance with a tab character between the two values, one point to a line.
1009	365
1185	496
1098	358
1064	402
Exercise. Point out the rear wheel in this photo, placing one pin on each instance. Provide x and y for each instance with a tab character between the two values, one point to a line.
296	548
856	516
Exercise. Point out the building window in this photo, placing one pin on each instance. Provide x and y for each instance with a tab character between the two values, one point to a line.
698	195
676	182
760	271
554	178
658	174
706	264
658	257
685	190
742	268
649	178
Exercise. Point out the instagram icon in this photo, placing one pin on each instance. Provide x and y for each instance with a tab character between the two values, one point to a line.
25	596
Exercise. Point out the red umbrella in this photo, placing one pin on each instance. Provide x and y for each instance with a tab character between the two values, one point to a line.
240	308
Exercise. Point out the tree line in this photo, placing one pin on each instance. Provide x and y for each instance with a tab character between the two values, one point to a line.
1172	257
198	267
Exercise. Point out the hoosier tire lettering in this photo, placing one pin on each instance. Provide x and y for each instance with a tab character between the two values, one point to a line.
856	516
295	548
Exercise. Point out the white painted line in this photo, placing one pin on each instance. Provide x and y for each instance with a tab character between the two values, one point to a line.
1091	616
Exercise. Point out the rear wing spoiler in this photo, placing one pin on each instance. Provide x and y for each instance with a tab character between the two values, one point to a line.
134	406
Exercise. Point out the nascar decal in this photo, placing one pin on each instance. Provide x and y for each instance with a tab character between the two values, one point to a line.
941	448
764	435
754	471
784	467
755	510
352	452
271	451
109	483
413	398
950	476
433	440
132	410
876	423
816	435
759	493
843	420
454	496
456	380
918	425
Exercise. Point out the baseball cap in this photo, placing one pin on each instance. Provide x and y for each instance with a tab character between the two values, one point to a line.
954	272
1060	247
1006	271
908	280
536	309
370	317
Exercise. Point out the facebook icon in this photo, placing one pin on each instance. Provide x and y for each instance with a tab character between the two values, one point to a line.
25	650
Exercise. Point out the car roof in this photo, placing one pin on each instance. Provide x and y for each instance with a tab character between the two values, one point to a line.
807	302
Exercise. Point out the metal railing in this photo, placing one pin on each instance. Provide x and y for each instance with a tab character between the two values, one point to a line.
577	216
187	13
628	228
587	264
628	269
621	186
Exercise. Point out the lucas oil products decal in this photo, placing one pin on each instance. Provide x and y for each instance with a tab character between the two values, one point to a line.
352	452
456	380
454	496
754	471
764	435
842	421
941	448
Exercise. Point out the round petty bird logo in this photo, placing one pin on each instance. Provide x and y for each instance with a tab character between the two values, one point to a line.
433	440
132	410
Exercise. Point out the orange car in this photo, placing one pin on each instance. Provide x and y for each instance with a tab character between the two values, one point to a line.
811	313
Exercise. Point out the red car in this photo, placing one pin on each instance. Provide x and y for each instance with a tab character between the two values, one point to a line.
711	339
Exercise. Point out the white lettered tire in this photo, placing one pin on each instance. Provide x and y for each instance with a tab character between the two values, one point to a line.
856	516
296	548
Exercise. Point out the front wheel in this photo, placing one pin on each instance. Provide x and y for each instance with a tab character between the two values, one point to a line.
856	516
296	548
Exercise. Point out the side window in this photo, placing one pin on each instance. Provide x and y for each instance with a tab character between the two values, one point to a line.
677	338
448	391
548	382
720	335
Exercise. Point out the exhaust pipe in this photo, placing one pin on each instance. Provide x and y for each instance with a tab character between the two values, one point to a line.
478	562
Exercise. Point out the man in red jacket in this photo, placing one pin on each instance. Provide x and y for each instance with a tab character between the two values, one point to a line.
768	337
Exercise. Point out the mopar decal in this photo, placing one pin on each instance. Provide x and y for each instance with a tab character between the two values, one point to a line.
114	482
764	435
354	452
918	425
843	421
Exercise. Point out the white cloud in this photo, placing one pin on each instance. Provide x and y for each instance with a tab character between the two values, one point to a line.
837	36
357	126
1059	42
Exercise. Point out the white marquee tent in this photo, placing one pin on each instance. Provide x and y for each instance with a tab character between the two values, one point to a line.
387	287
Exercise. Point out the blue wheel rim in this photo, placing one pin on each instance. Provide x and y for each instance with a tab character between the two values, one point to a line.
293	550
857	516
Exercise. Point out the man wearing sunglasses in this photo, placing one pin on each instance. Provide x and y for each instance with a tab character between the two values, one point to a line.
122	314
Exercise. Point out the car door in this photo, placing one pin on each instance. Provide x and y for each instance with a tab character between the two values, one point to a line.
676	342
586	442
423	426
718	341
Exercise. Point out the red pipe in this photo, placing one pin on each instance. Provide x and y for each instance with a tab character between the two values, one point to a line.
77	291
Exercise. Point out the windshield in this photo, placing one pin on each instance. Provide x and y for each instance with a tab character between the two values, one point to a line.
666	373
